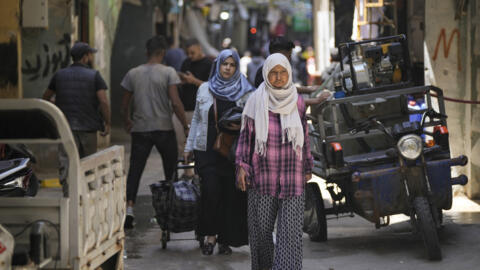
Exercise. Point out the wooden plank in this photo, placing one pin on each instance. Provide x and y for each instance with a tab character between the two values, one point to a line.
30	202
104	156
99	255
27	215
30	141
64	234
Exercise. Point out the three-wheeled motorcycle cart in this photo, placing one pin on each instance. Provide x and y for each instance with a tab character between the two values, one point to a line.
378	155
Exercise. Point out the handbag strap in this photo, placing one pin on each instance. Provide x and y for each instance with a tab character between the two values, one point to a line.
216	114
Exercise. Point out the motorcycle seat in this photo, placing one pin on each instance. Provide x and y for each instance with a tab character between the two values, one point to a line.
6	165
368	159
11	166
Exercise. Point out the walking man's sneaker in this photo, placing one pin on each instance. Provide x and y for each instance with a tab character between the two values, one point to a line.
129	219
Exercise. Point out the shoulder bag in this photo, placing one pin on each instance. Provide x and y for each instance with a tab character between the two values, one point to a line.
224	141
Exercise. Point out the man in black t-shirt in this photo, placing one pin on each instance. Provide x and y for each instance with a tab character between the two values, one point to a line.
195	70
80	93
277	44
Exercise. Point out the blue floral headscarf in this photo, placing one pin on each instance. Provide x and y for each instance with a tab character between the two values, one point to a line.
230	89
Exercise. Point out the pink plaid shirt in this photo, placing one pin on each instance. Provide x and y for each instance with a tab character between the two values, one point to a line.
280	172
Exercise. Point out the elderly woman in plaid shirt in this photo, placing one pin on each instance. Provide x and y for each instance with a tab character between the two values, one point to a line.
273	164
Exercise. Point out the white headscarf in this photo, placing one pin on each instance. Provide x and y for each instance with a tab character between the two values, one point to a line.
277	100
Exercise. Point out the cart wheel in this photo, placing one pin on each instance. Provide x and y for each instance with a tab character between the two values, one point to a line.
315	221
426	226
164	239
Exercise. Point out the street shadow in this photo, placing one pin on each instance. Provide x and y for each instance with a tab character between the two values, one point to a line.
397	238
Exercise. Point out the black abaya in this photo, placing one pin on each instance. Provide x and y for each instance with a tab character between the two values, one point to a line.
223	208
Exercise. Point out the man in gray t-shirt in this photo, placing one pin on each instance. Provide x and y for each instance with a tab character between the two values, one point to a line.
151	103
153	88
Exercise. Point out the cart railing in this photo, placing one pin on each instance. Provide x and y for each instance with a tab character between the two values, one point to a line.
102	207
90	219
433	98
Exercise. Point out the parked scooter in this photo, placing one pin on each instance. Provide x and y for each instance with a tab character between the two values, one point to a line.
18	180
16	175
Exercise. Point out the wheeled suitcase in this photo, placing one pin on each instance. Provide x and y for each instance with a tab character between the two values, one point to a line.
176	204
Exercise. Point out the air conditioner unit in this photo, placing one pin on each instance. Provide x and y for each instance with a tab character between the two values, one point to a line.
35	14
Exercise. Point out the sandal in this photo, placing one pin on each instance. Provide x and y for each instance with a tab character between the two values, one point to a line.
208	248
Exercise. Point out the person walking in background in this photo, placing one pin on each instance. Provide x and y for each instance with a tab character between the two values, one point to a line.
274	163
152	87
174	56
254	65
223	207
194	71
284	46
81	94
227	44
277	44
244	61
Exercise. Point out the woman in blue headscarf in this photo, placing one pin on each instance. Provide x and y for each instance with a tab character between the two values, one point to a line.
223	208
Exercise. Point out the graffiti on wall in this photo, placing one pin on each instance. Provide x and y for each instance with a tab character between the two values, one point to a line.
442	40
47	62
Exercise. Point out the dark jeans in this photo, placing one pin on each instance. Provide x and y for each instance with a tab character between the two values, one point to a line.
142	143
86	142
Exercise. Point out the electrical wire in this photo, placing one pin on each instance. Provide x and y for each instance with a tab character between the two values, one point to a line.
49	223
463	101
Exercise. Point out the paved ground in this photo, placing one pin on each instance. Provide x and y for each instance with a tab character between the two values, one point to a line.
353	242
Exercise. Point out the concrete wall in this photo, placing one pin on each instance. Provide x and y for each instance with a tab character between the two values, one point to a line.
10	50
46	50
240	34
452	61
135	27
104	28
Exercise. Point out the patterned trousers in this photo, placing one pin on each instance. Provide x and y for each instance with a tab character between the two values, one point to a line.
263	210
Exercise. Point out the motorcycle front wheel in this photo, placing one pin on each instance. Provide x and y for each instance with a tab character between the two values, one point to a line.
315	221
427	228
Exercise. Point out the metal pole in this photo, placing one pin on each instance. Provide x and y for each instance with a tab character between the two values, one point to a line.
321	21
